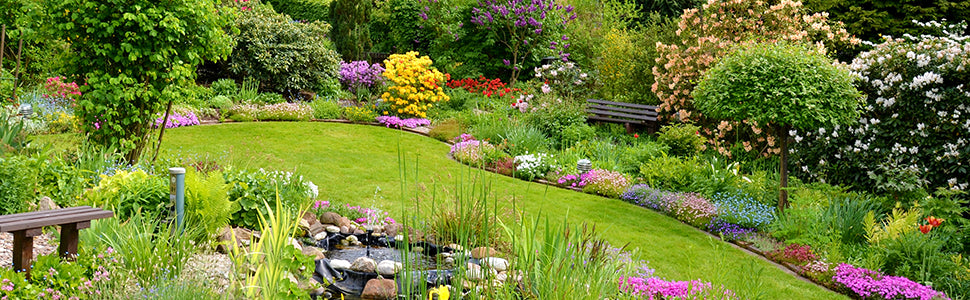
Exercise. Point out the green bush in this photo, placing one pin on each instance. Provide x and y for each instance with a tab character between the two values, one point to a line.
575	133
554	117
447	130
281	54
682	139
252	190
351	28
326	109
359	114
303	10
221	102
207	204
16	185
917	256
670	172
129	193
224	87
524	139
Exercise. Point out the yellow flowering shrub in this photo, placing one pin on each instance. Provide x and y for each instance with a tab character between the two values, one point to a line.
61	122
414	84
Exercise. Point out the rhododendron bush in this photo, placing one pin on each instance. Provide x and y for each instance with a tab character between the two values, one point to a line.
915	122
708	34
415	84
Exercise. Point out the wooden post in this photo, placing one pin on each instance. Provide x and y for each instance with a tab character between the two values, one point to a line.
69	237
23	252
16	75
3	42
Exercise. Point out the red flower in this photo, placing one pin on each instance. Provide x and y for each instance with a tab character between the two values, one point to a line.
636	135
934	221
925	228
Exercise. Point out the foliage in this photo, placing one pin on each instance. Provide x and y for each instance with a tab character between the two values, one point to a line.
415	84
707	34
12	135
916	256
84	278
681	139
221	102
870	20
669	172
743	210
358	114
130	192
351	28
552	117
447	130
281	54
207	204
524	139
224	87
303	10
251	190
916	115
326	109
606	183
566	80
273	257
15	185
129	52
149	248
273	112
898	223
523	26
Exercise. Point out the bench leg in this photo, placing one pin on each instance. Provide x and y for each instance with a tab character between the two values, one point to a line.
23	251
69	237
629	128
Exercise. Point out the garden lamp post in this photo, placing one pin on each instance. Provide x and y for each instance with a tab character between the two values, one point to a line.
26	110
177	195
584	165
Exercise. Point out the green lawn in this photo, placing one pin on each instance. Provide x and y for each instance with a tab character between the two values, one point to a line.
348	162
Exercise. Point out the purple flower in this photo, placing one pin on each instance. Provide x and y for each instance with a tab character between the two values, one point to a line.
872	284
360	75
396	122
176	119
506	62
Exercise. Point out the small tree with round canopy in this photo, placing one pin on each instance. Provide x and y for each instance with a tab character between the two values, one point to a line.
784	86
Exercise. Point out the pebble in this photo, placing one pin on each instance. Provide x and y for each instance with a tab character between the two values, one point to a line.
333	229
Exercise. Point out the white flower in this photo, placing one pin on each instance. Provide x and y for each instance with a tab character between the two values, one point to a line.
546	89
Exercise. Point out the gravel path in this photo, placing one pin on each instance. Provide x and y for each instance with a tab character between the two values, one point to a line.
43	244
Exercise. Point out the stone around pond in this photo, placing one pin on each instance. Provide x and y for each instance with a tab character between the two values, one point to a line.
483	252
330	218
389	267
333	229
380	289
364	264
499	264
340	264
313	252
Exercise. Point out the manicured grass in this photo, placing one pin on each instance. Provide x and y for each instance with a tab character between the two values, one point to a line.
349	162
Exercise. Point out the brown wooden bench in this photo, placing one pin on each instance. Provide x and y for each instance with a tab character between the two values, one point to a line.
628	114
25	226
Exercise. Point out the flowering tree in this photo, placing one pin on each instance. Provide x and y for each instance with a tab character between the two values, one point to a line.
914	124
782	86
709	33
523	25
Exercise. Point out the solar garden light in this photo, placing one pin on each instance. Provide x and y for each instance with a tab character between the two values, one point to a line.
177	194
26	110
584	165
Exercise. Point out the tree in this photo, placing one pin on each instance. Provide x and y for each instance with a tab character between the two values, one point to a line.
785	86
870	19
128	51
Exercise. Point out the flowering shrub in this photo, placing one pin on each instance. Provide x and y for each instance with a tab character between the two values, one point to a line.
606	183
358	75
54	279
273	112
251	190
743	210
473	152
58	89
177	119
795	253
532	166
916	117
729	231
693	209
482	85
359	114
394	121
415	84
643	195
656	288
565	79
709	33
370	215
871	284
571	180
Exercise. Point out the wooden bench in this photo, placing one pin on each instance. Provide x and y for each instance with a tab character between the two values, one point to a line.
628	114
25	226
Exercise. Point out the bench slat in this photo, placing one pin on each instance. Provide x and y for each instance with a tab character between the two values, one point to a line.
626	110
57	220
623	104
622	115
43	213
621	121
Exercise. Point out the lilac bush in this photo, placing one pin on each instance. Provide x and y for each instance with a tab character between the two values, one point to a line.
396	122
656	288
523	25
871	284
359	75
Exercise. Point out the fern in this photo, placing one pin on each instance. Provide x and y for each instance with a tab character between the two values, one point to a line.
207	202
898	223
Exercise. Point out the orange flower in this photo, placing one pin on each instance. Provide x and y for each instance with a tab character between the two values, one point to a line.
925	228
934	221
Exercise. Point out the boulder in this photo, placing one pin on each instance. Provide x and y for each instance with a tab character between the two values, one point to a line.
380	288
345	229
474	272
316	229
46	203
389	267
340	264
333	229
344	221
329	217
364	264
320	236
483	252
392	229
313	252
243	236
359	232
499	264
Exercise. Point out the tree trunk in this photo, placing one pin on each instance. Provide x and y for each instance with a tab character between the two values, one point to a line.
168	111
783	190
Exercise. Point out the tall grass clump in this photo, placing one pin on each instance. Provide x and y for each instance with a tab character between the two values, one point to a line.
269	262
151	251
